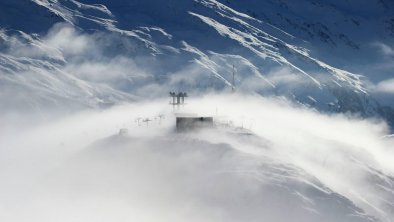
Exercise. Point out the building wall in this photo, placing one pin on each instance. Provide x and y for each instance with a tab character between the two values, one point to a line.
192	123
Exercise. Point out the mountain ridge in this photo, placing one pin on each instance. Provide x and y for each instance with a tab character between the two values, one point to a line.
164	31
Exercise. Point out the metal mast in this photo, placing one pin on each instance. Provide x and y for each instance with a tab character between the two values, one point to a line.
233	83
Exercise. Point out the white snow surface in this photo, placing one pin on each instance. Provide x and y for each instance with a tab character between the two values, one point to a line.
264	157
281	151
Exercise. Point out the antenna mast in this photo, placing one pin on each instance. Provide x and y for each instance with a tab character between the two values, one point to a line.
233	83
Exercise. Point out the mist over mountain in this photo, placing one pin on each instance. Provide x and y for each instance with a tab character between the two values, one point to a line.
332	55
86	132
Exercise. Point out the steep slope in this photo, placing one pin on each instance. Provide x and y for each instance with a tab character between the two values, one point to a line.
294	161
33	78
278	46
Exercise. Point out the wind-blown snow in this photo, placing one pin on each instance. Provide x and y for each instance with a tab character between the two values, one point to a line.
284	153
245	35
313	166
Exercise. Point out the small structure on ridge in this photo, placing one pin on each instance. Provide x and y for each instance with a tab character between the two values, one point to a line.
187	122
178	98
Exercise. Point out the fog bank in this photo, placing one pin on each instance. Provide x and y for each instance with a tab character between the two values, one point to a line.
265	157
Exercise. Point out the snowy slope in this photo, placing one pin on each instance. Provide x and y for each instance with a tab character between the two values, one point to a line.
271	162
278	47
293	162
33	78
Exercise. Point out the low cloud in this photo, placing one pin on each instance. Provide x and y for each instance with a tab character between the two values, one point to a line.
386	86
59	37
265	155
385	49
107	68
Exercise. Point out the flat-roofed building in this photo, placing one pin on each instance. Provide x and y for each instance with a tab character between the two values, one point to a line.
187	123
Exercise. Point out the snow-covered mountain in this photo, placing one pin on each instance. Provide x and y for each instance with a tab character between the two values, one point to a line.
324	54
266	159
